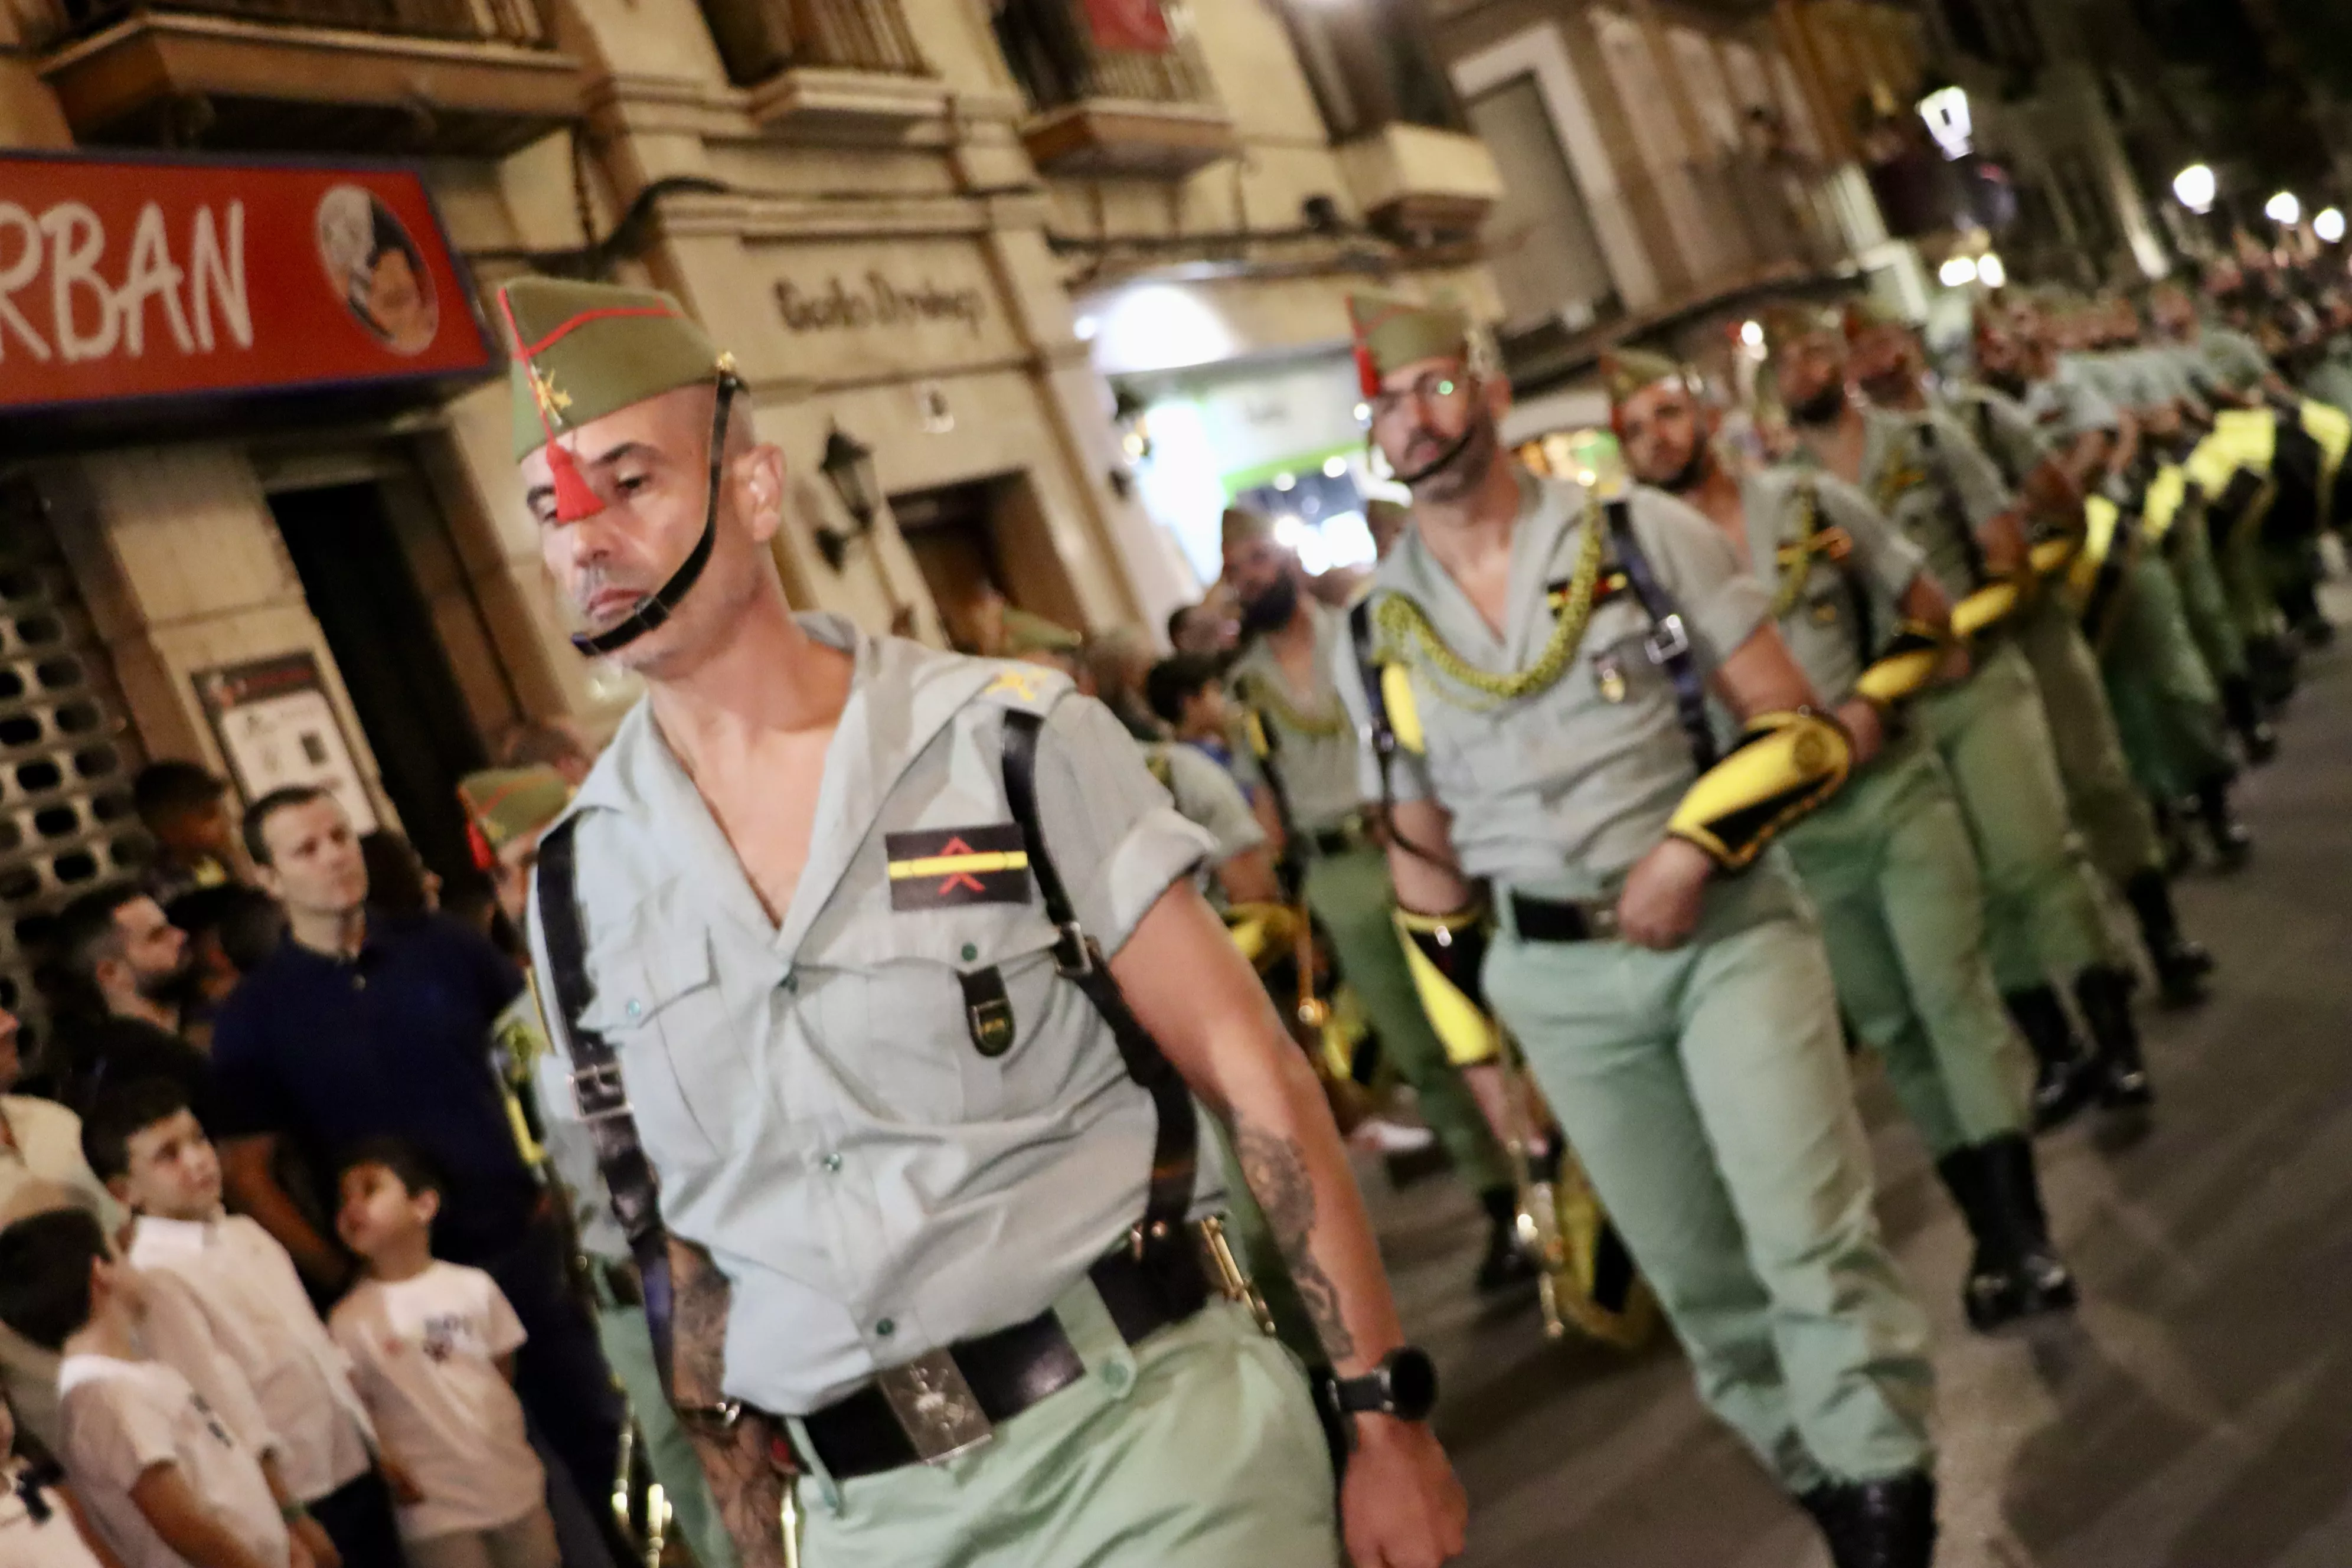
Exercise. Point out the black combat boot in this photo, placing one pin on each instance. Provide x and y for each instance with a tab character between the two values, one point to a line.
2104	992
2015	1272
2244	711
1886	1523
2270	661
2181	965
2064	1079
2233	846
1506	1266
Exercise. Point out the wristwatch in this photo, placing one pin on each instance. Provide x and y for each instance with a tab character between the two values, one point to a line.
1404	1385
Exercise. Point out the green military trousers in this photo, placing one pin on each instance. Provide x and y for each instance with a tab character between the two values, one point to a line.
1348	894
1197	1448
629	1351
2204	600
2117	828
2042	902
1706	1091
2167	706
1890	868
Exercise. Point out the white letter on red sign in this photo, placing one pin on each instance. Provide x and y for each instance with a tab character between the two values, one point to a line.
150	275
215	278
15	276
77	239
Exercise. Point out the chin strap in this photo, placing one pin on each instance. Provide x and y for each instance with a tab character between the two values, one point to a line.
656	606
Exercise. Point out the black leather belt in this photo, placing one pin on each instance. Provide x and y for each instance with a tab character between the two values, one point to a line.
1336	841
951	1399
1562	919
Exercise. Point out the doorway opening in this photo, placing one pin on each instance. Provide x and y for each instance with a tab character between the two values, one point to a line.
366	600
983	538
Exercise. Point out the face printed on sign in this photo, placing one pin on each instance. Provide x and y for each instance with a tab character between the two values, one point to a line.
376	270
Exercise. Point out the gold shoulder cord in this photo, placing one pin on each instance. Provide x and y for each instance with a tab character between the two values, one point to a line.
1406	634
1262	693
1799	556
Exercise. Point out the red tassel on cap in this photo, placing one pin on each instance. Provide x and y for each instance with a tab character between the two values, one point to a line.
479	845
575	498
1366	372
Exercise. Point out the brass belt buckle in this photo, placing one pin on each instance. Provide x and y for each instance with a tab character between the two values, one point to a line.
935	1407
1600	921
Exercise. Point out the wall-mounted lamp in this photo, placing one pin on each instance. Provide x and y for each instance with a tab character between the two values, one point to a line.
848	467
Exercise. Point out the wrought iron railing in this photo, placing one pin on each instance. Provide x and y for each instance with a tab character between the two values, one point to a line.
1054	54
517	22
760	38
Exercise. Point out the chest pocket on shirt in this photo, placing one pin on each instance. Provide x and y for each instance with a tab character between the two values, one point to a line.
658	1004
941	1016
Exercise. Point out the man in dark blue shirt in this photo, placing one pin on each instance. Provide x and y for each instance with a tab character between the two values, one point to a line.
363	1025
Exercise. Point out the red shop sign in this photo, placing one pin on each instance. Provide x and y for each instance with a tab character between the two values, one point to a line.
135	278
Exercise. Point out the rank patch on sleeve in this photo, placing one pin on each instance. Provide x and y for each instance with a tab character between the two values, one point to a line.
941	868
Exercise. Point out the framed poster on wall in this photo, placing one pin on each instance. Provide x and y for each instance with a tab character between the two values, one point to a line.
276	727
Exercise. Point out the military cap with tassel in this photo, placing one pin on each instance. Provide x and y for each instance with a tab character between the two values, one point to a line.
1391	332
503	804
1789	321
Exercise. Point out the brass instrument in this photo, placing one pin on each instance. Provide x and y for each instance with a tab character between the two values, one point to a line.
1587	1279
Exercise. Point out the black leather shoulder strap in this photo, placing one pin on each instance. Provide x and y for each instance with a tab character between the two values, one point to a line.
596	1086
1669	644
1956	511
1175	1153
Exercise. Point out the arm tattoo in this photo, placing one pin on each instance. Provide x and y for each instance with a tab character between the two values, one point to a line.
1275	1169
744	1481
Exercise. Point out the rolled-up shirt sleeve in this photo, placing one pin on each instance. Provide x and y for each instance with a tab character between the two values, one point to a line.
1116	839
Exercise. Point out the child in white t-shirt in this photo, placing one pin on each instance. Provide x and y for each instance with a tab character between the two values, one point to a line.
166	1482
433	1345
229	1312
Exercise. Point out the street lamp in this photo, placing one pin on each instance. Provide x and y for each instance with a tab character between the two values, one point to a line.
1958	271
2195	185
2283	208
1945	112
2329	225
848	467
1989	271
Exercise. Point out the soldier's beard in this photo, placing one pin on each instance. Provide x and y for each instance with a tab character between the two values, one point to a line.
1460	467
1821	409
1692	473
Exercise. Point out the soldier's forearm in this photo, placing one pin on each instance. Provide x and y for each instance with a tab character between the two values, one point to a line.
745	1485
1291	1155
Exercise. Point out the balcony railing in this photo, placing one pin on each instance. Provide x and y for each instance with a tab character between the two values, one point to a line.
518	22
1054	56
759	38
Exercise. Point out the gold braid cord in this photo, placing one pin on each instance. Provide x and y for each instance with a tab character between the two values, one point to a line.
1407	635
1797	558
1261	693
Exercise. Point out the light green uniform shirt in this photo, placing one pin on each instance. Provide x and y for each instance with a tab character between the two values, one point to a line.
1316	765
809	1091
1846	609
1933	483
1208	798
2234	360
2071	403
1561	791
2000	426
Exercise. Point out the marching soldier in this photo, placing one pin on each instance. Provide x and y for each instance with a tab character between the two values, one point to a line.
2117	827
1536	667
1284	679
889	1001
1887	859
2043	902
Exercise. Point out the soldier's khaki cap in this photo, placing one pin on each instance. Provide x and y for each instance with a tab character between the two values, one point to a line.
1243	525
1391	332
581	351
1867	311
1789	321
1026	634
504	803
1628	371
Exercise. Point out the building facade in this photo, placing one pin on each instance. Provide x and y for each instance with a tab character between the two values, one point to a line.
917	224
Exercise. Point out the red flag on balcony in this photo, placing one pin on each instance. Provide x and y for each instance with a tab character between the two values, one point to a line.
1136	25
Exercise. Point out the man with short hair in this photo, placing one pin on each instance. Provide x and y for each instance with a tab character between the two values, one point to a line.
135	975
363	1024
889	993
186	809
